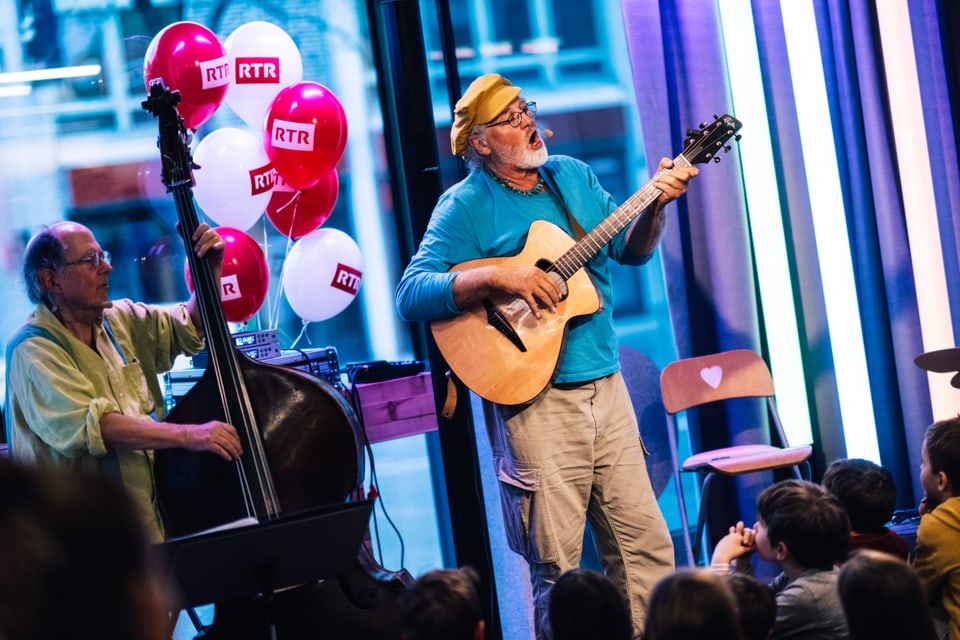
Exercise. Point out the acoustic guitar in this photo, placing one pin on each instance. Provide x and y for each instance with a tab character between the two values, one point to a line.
497	347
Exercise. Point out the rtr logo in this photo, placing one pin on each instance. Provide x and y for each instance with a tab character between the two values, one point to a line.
215	73
251	70
296	136
346	279
230	288
262	179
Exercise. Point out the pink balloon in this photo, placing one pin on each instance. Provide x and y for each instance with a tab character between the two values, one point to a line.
305	133
296	213
246	276
190	59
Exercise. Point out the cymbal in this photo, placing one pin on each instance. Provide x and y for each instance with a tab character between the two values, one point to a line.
941	361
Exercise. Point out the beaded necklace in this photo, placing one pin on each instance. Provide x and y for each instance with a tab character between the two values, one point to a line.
538	188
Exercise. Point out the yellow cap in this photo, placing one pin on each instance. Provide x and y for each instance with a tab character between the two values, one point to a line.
485	99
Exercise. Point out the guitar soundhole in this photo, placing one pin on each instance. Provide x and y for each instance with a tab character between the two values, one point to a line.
546	265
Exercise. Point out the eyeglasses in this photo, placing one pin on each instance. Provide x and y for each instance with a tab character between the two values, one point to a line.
93	259
515	118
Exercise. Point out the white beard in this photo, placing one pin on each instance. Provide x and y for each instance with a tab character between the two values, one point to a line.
523	157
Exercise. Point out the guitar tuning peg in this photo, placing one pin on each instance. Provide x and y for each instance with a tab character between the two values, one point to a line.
703	125
716	158
691	133
726	148
737	137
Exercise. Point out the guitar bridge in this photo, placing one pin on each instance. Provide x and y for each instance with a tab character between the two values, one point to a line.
497	320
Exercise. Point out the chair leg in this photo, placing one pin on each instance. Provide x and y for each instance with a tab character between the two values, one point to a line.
684	521
702	514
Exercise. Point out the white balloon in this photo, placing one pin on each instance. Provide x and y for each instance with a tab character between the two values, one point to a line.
234	178
264	60
322	274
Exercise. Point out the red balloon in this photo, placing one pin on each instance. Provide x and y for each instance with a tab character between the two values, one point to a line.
296	213
246	276
190	59
305	133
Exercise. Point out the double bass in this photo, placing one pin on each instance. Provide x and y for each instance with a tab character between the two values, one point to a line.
301	449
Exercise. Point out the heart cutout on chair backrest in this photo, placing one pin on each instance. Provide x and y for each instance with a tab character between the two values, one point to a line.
712	376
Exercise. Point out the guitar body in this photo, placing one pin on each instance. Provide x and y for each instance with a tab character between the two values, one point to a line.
485	359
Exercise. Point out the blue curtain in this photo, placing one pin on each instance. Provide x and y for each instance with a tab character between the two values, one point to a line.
679	69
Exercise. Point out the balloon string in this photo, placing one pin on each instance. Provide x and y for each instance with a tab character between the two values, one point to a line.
275	318
275	321
266	255
303	333
293	200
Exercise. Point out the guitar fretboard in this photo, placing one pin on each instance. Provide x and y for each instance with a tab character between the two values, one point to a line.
574	258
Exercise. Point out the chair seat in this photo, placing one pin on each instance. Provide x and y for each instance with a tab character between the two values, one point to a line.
747	458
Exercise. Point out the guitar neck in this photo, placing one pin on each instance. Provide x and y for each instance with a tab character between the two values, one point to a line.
574	258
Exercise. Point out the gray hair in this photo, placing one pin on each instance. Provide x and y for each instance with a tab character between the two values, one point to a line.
44	251
473	159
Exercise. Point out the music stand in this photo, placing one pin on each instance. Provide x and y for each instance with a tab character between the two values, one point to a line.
259	559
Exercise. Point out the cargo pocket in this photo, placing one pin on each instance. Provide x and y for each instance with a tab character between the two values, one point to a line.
518	487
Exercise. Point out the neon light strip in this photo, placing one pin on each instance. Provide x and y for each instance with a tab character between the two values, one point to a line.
830	229
56	73
15	90
916	184
755	151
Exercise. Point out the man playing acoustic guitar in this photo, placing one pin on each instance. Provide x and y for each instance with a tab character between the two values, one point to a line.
573	451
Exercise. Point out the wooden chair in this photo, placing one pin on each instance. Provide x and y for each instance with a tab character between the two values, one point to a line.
741	373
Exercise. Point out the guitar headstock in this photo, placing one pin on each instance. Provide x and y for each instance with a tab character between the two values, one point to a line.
174	139
703	144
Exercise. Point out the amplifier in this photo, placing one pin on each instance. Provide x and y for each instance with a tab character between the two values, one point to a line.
259	345
322	363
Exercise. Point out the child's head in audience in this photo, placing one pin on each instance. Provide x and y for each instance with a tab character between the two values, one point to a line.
940	462
801	523
756	605
586	604
868	493
443	604
882	598
691	604
865	489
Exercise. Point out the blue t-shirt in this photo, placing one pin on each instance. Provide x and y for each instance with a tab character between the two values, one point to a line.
478	218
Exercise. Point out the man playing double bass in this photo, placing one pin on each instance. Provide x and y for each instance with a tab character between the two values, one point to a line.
81	379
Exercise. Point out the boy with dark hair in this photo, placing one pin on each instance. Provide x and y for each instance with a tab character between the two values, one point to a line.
804	530
443	604
938	536
586	603
868	493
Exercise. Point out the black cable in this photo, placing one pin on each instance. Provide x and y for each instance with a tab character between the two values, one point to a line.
374	481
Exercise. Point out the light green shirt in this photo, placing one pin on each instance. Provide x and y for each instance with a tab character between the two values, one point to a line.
58	388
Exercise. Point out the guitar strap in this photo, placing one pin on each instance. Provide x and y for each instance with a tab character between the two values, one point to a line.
552	183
